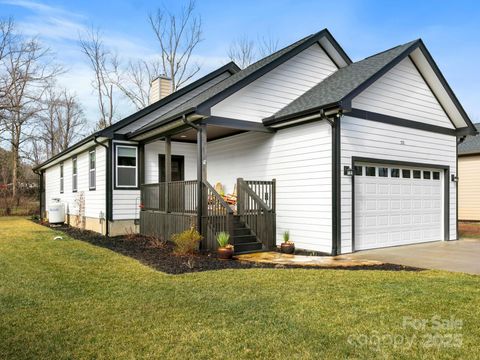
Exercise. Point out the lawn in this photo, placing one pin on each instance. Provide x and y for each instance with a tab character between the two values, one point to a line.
69	299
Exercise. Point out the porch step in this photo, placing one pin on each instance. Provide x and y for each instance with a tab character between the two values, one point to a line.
250	246
243	239
241	231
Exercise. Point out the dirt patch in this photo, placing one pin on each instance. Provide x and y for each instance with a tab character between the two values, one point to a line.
469	229
159	255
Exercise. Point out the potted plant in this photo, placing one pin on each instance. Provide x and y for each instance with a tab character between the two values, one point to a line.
287	247
225	250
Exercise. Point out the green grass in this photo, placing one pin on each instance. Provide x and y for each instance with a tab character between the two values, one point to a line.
67	299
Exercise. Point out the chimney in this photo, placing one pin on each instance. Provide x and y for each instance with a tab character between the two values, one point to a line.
159	88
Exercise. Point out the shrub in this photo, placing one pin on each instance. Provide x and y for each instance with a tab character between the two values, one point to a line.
187	241
223	239
286	236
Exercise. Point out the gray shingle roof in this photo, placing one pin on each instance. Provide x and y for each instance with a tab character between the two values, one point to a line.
223	85
471	145
341	83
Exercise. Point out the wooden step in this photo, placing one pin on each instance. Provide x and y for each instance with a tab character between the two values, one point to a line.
242	239
241	231
250	246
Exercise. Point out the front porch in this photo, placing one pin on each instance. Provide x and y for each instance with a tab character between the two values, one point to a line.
173	204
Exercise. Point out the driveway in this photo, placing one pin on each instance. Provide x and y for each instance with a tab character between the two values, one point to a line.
459	256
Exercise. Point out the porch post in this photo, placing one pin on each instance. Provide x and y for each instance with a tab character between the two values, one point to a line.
168	169
202	205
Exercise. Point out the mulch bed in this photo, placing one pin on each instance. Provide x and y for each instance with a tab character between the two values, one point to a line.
469	229
160	256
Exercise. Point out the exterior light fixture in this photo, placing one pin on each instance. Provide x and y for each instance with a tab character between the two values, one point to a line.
454	178
183	136
348	171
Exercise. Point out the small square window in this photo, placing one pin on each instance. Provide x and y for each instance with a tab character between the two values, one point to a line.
383	172
417	174
370	170
426	175
406	173
358	170
436	175
395	173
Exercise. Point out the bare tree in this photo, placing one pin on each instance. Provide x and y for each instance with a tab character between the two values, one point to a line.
101	61
134	80
71	120
27	69
178	34
6	38
242	52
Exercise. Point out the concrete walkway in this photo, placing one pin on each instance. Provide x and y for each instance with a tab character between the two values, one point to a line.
458	256
272	257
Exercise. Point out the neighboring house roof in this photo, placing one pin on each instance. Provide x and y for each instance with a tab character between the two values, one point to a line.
108	132
471	144
342	86
201	103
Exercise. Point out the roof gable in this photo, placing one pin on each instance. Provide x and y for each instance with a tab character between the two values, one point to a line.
339	89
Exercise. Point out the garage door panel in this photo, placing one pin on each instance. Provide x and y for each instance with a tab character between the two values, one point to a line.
395	210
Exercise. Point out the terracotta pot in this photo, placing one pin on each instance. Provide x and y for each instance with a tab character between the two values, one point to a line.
287	248
225	253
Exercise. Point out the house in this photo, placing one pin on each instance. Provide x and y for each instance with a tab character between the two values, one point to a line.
345	155
468	175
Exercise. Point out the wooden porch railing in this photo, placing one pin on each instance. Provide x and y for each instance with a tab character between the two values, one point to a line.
217	216
256	208
182	197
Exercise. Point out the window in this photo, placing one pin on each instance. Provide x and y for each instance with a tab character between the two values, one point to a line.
370	170
383	172
74	174
406	173
426	175
126	164
358	170
395	173
436	175
92	177
417	174
61	178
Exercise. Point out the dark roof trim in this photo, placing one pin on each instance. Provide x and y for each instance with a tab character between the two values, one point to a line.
204	108
447	87
236	124
66	151
272	120
386	119
230	67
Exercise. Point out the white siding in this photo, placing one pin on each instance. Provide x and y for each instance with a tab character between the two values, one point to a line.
276	89
145	120
363	138
94	199
299	158
152	151
403	93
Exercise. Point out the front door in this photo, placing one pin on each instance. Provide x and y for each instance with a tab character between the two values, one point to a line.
178	168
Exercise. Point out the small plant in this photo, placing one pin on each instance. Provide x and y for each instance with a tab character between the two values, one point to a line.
187	241
223	239
287	247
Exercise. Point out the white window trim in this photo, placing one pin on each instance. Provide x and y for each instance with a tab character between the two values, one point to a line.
62	178
74	174
90	170
127	167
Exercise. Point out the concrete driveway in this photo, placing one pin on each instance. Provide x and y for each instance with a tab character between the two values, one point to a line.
459	256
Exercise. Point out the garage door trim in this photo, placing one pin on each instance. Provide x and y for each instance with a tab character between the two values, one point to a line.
446	197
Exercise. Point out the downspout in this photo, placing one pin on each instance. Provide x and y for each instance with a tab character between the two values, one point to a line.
108	190
336	180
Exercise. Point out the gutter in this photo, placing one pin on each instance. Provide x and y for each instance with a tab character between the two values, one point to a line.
108	190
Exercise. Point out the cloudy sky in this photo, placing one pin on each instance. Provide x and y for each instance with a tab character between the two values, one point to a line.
450	29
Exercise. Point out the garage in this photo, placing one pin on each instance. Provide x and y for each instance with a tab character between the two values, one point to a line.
397	205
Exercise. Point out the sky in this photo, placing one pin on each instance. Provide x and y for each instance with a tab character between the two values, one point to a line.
450	30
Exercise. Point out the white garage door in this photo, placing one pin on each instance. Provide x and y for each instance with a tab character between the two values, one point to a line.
397	205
